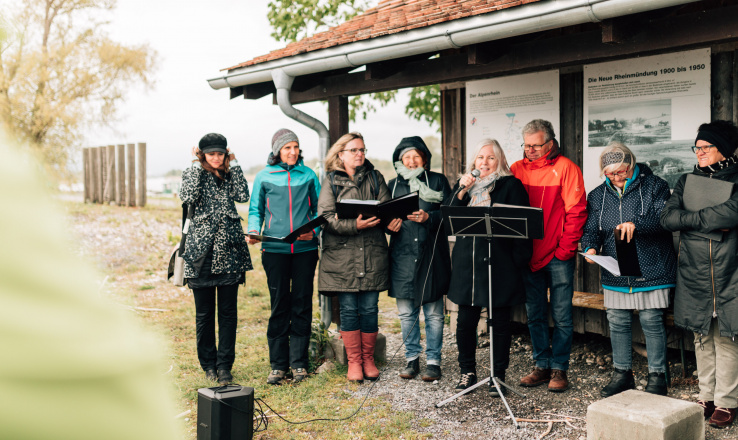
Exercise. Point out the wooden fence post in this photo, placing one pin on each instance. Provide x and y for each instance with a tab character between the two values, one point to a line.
86	173
120	194
103	173
110	175
98	174
131	194
141	199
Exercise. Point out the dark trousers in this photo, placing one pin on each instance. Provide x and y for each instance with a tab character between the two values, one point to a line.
466	339
290	279
222	357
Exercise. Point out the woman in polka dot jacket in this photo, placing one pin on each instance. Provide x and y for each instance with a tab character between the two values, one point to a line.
631	199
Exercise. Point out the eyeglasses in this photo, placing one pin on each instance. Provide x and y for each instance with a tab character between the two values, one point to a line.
705	149
356	150
620	173
535	147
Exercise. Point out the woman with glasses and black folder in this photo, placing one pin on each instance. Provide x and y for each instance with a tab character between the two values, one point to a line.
354	264
706	300
630	200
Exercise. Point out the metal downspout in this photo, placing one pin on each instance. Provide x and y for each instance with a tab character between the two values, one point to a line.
283	83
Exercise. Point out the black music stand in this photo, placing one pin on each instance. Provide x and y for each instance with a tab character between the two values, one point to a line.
508	221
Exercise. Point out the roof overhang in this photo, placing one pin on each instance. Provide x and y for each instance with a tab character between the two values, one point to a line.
521	20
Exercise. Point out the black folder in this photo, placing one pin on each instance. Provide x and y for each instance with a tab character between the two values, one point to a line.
292	236
627	256
703	192
399	207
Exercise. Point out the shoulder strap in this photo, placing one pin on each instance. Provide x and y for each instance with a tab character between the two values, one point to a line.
332	174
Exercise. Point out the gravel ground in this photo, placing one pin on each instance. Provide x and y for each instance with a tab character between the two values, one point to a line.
477	415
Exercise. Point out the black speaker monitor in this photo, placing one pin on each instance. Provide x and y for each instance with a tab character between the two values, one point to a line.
225	413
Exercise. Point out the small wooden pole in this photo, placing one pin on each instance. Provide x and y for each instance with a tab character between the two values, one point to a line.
98	175
110	183
141	199
131	170
86	173
120	194
104	198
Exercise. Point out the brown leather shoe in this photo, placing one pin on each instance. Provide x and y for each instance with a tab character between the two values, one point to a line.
722	417
558	382
537	377
708	407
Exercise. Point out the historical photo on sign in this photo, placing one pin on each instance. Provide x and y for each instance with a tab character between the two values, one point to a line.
499	108
651	104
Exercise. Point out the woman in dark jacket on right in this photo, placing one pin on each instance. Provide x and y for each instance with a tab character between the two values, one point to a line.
469	280
706	299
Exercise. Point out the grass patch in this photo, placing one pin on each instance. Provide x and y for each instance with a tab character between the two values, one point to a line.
141	281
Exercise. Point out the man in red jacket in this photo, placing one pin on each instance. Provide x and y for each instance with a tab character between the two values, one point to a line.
556	185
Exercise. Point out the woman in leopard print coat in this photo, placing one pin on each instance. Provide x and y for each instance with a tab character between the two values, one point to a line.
216	254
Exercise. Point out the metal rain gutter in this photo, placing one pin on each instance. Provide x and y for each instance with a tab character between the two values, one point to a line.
506	23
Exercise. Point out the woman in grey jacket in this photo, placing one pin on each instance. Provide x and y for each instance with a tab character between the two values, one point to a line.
216	255
706	301
354	262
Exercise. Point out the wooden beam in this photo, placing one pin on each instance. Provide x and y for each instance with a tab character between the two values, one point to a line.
619	30
256	91
722	86
338	117
385	69
236	92
453	136
484	53
659	36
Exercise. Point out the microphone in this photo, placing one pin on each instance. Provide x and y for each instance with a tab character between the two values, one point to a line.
475	174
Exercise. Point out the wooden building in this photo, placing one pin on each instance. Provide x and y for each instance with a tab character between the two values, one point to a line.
408	43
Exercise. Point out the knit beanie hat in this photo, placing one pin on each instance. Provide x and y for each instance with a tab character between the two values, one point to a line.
213	142
282	137
722	134
411	143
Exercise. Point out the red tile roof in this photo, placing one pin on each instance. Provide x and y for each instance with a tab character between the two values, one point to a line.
388	17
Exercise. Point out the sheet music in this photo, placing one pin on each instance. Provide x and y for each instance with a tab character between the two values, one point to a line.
608	263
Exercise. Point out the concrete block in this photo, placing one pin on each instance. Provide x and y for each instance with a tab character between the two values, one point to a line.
336	350
637	415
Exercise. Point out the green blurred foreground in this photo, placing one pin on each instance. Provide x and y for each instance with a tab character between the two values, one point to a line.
136	270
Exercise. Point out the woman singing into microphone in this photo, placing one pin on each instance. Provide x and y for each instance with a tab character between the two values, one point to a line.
495	184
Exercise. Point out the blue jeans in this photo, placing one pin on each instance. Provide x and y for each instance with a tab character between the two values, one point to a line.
558	277
359	311
433	313
652	323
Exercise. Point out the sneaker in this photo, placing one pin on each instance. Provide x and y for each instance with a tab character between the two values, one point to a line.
412	369
558	382
299	374
722	417
493	391
538	376
275	377
708	407
210	374
224	377
466	380
431	373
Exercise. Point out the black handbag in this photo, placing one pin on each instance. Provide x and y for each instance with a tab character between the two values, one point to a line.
175	270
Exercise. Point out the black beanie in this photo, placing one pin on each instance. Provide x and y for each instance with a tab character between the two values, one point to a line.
722	134
213	142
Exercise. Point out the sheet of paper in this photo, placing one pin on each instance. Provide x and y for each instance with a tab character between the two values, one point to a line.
608	263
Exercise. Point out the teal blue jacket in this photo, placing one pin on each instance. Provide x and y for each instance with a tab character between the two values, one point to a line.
284	198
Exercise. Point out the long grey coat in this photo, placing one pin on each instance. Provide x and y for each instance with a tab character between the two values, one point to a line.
352	260
707	270
215	223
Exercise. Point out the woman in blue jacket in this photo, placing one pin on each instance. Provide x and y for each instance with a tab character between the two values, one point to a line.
631	200
284	197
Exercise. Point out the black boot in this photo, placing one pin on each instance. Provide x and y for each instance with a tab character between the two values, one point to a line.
622	380
656	384
412	369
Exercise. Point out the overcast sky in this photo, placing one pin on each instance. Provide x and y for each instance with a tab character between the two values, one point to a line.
194	40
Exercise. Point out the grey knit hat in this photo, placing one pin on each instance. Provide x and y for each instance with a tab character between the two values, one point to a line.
213	142
282	137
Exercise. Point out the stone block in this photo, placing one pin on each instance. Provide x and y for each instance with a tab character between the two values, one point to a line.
336	350
637	415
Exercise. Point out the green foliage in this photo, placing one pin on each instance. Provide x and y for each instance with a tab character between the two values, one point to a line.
293	20
172	238
60	73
